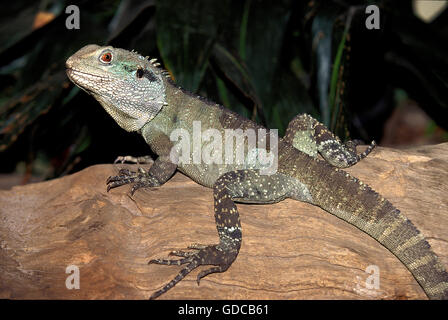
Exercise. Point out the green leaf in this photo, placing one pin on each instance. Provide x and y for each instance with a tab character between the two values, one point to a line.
186	32
234	71
24	109
322	32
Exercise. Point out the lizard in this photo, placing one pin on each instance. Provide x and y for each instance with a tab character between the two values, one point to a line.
141	96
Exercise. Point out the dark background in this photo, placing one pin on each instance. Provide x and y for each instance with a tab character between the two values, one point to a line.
267	60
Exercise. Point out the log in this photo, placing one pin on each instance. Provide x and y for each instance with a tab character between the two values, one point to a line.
290	250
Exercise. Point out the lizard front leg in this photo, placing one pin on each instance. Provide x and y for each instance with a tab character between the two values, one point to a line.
162	169
243	186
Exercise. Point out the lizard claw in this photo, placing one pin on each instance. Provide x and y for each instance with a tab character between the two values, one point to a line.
114	182
215	255
124	176
123	159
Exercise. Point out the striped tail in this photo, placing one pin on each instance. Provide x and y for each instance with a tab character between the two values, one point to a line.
359	205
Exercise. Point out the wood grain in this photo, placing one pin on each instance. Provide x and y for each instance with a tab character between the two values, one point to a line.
290	250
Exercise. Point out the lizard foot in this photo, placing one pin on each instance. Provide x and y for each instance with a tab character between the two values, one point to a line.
137	160
195	246
125	176
219	256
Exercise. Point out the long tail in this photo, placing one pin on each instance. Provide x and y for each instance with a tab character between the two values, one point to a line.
355	202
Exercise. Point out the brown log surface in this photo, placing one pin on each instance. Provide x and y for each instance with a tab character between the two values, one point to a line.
290	250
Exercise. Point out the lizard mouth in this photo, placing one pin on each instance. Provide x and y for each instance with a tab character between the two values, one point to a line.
81	74
85	80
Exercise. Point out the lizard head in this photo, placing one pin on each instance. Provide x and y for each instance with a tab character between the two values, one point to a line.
130	87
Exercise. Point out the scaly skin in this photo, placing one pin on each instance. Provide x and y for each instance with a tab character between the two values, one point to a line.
140	97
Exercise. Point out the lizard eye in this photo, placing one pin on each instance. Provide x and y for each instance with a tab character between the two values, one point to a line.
139	73
106	57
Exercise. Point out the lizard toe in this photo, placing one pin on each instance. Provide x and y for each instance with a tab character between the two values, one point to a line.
113	183
219	256
137	186
126	172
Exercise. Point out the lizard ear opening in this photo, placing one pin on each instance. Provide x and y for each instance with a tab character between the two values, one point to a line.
140	73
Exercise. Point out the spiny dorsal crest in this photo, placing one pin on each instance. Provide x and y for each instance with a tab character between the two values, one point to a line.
156	64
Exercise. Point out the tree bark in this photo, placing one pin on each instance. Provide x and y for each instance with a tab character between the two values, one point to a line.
290	250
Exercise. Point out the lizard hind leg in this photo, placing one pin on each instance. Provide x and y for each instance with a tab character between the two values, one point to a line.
243	186
310	136
219	255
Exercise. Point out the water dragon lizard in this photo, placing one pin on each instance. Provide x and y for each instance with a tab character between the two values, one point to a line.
141	97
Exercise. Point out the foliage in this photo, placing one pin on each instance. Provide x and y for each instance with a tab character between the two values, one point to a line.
266	60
